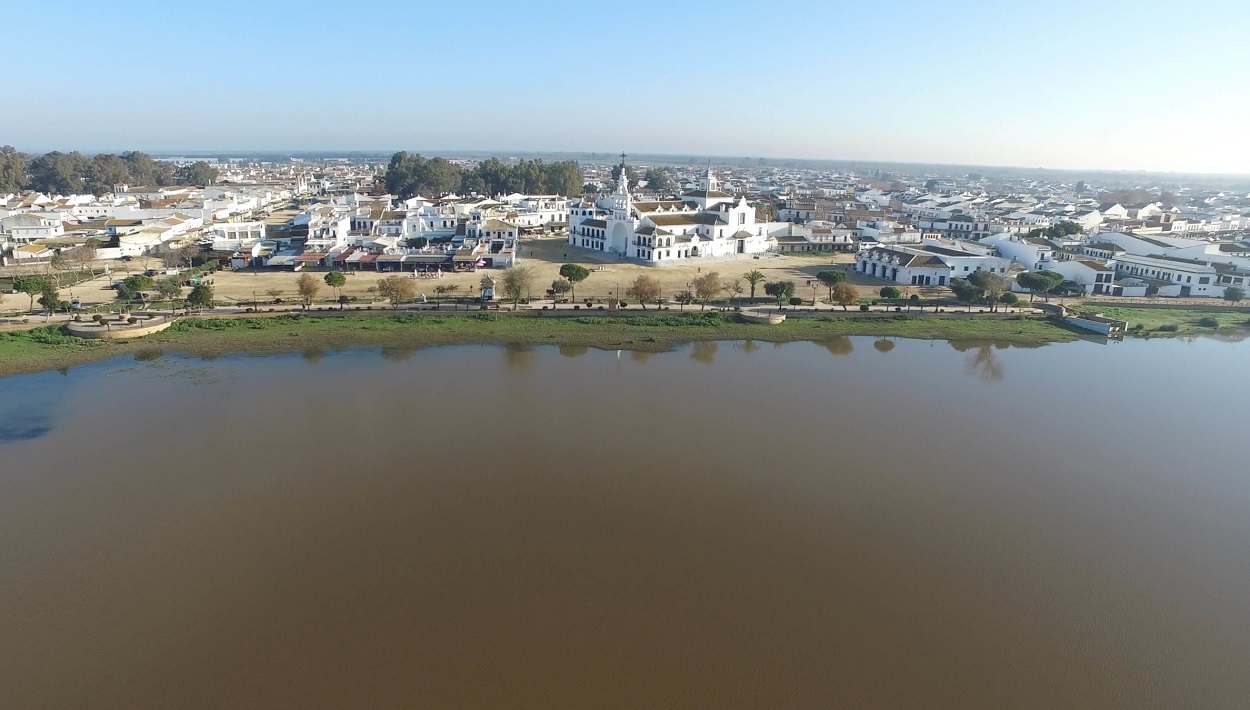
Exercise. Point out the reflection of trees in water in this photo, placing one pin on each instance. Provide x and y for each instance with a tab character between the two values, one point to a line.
883	345
704	351
518	355
748	346
984	364
573	350
312	356
839	346
399	354
640	356
981	362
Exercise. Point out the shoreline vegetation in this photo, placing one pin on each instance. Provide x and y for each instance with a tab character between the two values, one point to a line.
43	349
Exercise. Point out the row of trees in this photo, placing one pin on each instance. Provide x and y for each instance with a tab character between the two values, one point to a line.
75	173
46	290
657	178
1057	231
515	285
408	175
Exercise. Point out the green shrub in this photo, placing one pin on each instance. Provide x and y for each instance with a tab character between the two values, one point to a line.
1168	328
1209	322
864	307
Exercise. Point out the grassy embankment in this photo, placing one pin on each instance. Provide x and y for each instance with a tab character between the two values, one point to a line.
47	348
1153	322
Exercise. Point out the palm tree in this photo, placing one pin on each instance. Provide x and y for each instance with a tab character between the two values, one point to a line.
754	278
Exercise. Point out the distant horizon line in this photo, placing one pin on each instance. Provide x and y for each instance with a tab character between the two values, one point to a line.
207	153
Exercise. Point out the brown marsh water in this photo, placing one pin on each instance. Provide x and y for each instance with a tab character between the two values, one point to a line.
857	523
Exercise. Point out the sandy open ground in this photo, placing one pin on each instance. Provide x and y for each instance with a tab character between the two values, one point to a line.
93	292
545	256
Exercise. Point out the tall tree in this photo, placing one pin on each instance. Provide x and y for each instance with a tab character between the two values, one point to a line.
574	274
559	287
336	280
396	289
706	287
965	291
12	169
59	173
516	282
136	286
1039	281
199	173
30	285
170	290
780	290
201	296
831	278
143	170
105	171
732	288
308	287
755	278
993	286
845	294
49	296
658	180
564	178
644	288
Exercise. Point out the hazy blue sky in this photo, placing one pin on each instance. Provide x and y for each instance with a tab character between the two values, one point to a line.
1065	83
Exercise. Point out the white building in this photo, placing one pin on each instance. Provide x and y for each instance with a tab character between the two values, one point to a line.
928	265
20	229
237	236
904	265
1032	253
1096	278
704	223
1173	277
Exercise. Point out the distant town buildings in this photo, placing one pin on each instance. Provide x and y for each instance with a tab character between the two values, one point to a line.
921	230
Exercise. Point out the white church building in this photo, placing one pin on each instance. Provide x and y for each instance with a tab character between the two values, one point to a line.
703	223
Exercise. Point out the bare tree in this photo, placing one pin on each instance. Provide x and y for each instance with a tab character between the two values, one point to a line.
443	290
706	287
516	282
845	294
308	287
732	287
645	288
396	289
995	286
81	256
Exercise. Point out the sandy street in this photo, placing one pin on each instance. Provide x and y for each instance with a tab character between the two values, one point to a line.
545	255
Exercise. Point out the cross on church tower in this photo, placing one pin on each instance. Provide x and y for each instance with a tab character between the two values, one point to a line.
623	183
